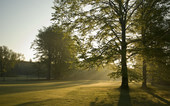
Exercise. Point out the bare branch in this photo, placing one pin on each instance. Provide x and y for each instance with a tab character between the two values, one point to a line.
111	27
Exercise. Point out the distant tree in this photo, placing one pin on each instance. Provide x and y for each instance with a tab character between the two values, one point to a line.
55	48
8	59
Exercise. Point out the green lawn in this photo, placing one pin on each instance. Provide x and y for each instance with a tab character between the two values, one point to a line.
80	93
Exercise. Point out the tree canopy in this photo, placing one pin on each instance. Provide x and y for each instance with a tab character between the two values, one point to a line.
107	30
8	59
102	27
54	48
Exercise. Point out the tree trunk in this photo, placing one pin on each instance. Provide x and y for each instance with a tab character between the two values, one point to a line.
1	70
56	69
144	75
49	70
124	84
49	67
4	75
143	31
38	74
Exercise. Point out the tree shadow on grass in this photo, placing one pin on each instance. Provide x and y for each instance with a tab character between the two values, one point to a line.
48	102
39	87
33	103
101	103
152	92
131	97
124	99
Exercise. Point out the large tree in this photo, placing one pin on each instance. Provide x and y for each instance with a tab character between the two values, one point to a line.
102	27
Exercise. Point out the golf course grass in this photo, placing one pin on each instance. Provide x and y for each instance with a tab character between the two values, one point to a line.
80	93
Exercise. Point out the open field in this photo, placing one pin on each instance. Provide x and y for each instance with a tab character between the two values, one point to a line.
80	93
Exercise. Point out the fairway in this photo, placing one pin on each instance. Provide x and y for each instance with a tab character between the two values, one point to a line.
79	93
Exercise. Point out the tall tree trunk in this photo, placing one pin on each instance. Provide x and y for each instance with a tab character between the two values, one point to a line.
144	75
124	72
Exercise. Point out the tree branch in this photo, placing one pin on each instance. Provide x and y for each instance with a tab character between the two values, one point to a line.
133	11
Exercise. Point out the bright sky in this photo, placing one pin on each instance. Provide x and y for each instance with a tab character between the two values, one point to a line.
20	21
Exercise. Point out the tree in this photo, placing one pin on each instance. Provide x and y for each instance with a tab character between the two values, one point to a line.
8	59
101	27
151	17
55	48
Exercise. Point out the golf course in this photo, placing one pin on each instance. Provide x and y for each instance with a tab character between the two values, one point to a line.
80	93
85	53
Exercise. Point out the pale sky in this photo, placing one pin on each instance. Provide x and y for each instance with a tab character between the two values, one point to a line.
20	21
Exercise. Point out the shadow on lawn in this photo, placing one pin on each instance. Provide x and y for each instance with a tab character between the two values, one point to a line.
152	92
51	102
39	103
137	98
124	99
38	87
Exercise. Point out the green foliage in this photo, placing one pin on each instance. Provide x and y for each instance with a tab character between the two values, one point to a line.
154	42
8	59
111	31
100	27
97	24
115	75
55	48
134	75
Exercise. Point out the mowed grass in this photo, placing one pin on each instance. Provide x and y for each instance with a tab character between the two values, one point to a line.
80	93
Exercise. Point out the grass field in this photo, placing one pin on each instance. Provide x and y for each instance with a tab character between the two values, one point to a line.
80	93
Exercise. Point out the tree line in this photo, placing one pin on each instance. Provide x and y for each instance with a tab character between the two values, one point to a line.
8	60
